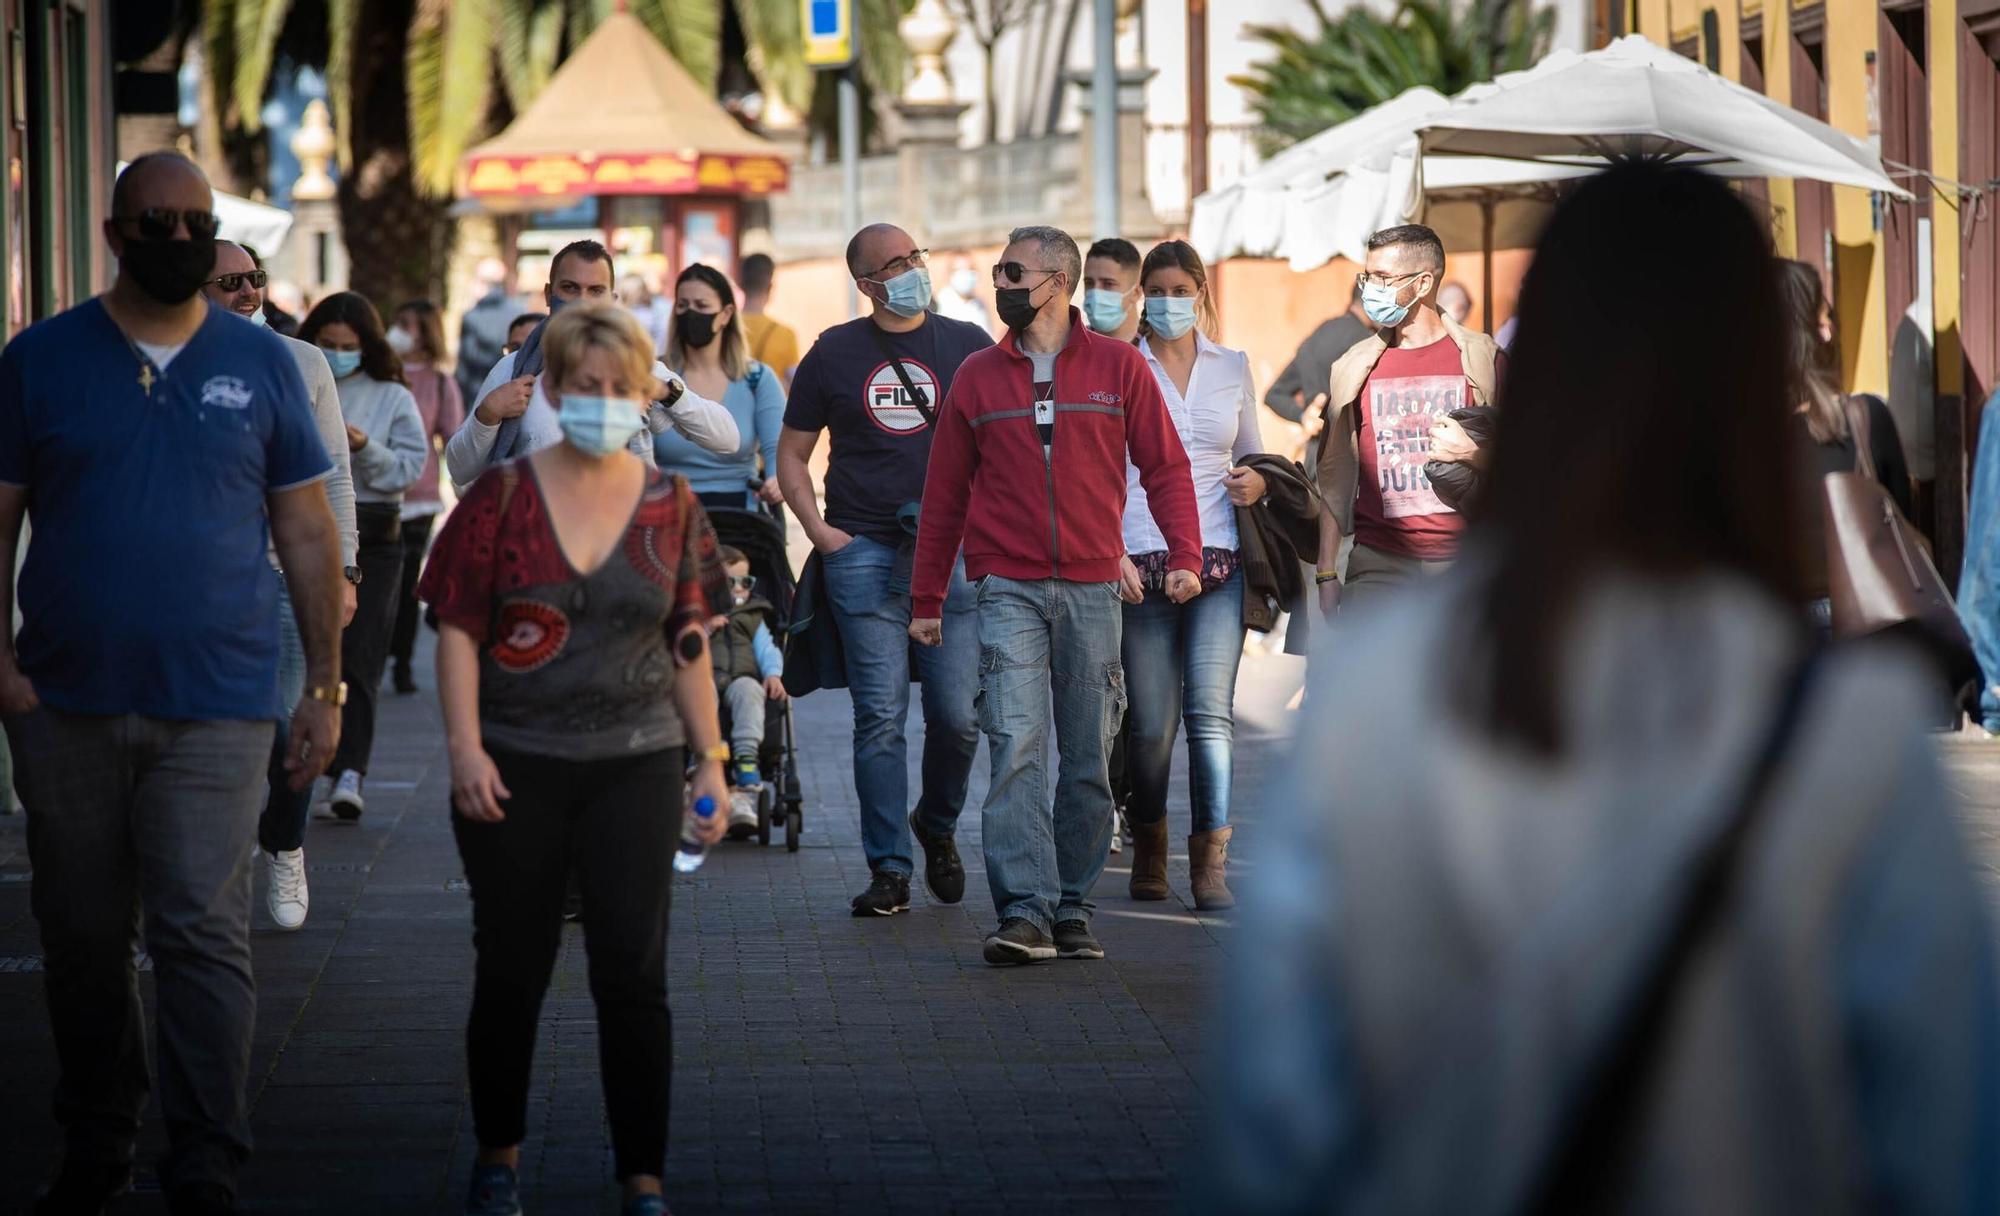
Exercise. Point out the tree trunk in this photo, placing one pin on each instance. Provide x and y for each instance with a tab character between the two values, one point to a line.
397	239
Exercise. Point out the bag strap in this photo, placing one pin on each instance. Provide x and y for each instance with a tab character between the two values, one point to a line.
1856	410
1600	1124
917	399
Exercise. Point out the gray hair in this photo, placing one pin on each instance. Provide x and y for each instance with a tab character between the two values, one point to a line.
1056	243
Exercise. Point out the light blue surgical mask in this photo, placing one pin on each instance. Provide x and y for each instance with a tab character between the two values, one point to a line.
258	318
343	362
1378	300
909	293
1170	316
1104	310
600	425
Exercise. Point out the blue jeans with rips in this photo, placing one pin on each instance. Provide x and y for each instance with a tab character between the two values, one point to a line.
1181	661
1043	639
873	614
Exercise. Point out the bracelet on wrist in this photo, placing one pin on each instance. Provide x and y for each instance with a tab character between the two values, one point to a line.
1323	577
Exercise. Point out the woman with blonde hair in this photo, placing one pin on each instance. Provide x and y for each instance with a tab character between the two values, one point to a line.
572	587
706	348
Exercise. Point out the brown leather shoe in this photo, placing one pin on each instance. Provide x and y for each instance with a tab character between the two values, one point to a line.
1208	858
1149	860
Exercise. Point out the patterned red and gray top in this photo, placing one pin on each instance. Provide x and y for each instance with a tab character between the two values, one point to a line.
578	666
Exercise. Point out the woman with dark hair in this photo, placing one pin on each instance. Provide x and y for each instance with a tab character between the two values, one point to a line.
1812	378
386	448
1181	659
1598	893
418	336
706	348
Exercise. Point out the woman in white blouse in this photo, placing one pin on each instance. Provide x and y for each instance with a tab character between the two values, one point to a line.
1181	659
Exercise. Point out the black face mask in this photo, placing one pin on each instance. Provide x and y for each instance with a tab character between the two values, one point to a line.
168	271
697	329
1016	313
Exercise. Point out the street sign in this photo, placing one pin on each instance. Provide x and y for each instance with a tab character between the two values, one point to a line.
829	30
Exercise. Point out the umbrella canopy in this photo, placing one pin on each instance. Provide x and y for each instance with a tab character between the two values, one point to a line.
622	116
1634	100
1249	217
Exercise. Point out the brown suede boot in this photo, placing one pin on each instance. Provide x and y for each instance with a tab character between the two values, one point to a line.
1208	858
1149	860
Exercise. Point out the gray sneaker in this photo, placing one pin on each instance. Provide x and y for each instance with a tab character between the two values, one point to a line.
1017	941
1074	940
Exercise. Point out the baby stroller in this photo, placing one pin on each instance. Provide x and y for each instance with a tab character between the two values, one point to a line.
761	537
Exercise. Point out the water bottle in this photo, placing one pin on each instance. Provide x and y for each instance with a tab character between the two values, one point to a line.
692	852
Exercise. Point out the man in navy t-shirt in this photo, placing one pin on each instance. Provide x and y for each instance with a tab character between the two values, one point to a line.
160	442
874	385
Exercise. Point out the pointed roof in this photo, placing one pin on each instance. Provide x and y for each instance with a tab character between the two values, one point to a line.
622	95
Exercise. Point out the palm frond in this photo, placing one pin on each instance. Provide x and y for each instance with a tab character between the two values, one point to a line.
342	20
691	30
257	24
771	27
449	64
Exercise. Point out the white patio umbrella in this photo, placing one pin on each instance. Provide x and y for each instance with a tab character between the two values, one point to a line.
1249	216
1636	100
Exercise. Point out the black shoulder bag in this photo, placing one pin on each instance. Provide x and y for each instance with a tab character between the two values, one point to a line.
917	400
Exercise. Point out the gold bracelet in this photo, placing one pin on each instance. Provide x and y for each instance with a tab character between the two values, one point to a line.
335	696
715	751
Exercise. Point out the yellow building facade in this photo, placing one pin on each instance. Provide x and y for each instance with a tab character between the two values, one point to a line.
1915	285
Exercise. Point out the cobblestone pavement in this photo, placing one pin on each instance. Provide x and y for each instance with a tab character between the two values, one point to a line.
822	1064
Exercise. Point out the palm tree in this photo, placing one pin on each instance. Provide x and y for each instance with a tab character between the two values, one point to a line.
414	84
1359	59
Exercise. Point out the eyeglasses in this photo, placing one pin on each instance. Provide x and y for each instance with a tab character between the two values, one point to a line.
233	283
160	223
1014	272
1385	280
913	260
742	582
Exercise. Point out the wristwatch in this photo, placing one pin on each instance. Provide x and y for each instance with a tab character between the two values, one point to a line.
352	574
718	752
335	696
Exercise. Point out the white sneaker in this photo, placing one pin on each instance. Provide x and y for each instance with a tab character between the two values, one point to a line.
287	897
742	813
345	801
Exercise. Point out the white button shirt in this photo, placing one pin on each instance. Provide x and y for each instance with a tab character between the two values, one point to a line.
1217	422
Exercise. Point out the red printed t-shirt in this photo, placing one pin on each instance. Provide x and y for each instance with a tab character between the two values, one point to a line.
573	665
1395	508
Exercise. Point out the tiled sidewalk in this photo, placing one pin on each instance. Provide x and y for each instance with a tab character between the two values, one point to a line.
822	1063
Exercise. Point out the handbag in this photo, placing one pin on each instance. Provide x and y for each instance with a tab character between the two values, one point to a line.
1880	577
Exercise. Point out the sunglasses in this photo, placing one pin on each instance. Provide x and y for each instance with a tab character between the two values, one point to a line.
742	582
160	223
1014	272
233	283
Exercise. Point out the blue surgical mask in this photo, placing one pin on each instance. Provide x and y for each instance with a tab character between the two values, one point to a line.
1104	310
600	425
909	293
1378	300
1170	316
343	362
258	318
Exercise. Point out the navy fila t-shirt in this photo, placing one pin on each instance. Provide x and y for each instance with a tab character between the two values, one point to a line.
880	442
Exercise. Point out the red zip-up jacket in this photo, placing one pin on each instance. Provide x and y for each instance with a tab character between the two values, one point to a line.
1022	517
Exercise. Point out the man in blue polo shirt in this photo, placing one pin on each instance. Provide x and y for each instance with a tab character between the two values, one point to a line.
157	442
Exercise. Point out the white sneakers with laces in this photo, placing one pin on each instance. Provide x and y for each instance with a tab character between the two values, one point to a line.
345	801
288	897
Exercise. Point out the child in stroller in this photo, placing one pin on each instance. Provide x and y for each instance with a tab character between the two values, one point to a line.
749	670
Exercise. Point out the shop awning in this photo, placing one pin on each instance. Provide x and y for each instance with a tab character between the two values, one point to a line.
622	116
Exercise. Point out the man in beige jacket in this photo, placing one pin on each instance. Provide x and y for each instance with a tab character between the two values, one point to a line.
1384	396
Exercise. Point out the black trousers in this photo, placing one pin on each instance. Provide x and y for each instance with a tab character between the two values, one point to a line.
416	542
364	647
617	822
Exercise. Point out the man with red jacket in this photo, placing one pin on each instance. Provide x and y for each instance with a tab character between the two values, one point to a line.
1027	471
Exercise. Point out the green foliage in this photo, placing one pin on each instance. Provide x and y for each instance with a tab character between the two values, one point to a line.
1360	59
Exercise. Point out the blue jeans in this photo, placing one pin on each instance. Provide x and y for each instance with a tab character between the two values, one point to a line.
282	827
1035	638
874	620
1181	660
